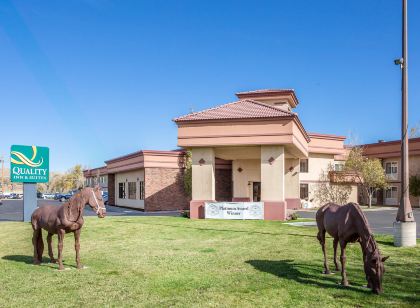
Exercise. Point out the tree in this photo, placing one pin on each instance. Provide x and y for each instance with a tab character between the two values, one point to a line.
188	174
368	172
330	189
415	131
415	186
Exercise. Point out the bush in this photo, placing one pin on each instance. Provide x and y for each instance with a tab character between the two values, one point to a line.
294	216
185	213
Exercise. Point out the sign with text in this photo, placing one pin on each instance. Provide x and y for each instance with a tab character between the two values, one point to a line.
234	210
29	164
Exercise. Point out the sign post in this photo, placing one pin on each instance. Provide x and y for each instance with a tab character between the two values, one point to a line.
29	165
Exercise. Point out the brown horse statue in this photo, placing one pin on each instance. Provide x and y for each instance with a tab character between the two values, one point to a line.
347	223
64	219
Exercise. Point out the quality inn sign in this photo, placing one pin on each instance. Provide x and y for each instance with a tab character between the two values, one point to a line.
29	164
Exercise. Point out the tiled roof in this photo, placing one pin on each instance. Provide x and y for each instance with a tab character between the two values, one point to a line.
242	109
268	91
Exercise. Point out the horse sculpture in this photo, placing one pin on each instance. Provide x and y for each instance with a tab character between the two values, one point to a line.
347	223
64	219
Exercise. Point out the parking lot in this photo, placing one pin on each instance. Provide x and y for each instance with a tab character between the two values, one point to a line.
380	219
12	210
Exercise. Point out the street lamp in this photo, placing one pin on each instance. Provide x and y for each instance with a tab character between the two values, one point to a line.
404	226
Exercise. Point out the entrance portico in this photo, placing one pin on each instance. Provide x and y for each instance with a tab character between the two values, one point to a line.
262	139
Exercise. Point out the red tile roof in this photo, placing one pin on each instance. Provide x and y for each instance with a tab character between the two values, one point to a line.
242	109
268	93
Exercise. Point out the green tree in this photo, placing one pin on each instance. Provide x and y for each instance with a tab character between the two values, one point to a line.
188	174
368	172
415	186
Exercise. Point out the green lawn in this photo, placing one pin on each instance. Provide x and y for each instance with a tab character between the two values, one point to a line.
168	261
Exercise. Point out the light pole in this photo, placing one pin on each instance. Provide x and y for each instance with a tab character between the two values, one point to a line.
405	226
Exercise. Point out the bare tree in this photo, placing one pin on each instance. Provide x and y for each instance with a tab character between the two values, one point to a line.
332	187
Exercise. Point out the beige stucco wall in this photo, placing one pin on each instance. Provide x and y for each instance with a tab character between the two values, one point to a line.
317	164
203	177
251	172
291	179
272	175
125	177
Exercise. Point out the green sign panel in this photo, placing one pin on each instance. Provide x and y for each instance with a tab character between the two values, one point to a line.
29	164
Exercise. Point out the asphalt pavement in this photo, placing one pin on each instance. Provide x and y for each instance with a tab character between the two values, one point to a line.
12	210
380	219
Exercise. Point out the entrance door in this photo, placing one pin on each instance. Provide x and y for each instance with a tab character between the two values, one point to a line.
256	191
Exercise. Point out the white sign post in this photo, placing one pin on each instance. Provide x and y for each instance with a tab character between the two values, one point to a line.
234	210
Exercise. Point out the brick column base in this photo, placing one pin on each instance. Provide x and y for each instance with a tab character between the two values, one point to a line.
275	210
197	208
293	203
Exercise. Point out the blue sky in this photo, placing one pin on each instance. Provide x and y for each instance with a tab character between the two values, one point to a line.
96	79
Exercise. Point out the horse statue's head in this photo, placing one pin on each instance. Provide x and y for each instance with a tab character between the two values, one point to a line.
94	199
374	270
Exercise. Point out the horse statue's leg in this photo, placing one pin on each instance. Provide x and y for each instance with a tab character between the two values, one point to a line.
60	234
77	247
335	244
321	238
38	246
50	250
344	280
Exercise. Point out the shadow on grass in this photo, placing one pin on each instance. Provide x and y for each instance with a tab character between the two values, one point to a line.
302	273
385	243
222	230
30	260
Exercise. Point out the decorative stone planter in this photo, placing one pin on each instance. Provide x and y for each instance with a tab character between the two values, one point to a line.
404	234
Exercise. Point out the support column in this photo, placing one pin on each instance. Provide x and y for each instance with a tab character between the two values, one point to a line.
30	201
203	180
272	182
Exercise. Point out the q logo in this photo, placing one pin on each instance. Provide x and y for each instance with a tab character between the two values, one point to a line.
22	159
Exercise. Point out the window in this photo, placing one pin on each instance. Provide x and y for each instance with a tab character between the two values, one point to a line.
141	190
391	192
131	190
304	191
338	167
391	167
121	190
304	165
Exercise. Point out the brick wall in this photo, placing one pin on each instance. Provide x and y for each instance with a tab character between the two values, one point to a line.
111	189
224	185
164	190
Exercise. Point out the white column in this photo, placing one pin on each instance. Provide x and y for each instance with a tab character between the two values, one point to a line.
272	173
203	174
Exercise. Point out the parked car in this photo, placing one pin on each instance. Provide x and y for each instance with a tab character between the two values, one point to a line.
49	196
15	196
62	197
40	195
105	197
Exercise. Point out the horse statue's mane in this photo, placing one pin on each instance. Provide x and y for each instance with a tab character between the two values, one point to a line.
366	238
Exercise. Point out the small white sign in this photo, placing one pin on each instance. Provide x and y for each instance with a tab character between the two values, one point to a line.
234	210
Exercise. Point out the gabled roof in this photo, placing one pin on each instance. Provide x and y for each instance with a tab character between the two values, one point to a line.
242	109
269	93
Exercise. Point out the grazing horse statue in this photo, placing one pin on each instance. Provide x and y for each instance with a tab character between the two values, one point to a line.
64	219
347	223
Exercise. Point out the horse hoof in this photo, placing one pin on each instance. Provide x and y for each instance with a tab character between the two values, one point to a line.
37	263
327	272
53	261
345	284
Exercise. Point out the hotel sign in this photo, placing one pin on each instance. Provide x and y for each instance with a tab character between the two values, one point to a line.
29	164
234	210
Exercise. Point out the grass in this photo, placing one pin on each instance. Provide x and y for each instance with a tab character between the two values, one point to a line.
173	261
